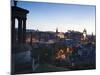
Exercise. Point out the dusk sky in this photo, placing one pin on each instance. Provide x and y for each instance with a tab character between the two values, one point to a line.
49	16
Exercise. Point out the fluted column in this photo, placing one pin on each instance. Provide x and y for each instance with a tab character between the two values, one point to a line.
24	30
20	30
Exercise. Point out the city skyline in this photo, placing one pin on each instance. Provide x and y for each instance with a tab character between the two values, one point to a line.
49	16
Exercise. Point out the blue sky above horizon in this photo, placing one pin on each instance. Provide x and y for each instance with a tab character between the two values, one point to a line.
49	16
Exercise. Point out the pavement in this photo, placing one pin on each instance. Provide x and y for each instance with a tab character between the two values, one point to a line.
49	68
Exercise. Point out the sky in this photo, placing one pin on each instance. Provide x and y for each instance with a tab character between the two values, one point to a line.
49	16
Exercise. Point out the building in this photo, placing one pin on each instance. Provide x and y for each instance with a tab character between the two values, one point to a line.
60	34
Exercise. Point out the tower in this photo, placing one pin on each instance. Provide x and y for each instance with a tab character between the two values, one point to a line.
56	30
84	34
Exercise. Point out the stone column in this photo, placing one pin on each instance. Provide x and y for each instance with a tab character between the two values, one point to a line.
24	30
13	37
20	30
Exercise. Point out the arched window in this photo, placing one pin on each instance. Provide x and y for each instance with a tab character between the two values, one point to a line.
16	23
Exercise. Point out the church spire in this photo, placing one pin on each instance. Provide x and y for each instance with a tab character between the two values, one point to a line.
84	31
84	34
56	30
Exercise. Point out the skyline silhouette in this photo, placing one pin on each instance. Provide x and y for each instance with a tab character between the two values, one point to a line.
49	16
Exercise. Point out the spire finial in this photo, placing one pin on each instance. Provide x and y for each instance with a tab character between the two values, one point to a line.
56	30
15	3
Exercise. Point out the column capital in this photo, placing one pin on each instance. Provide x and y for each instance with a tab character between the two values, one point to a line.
24	18
19	19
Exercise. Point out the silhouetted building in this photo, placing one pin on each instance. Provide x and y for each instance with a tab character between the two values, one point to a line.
21	15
